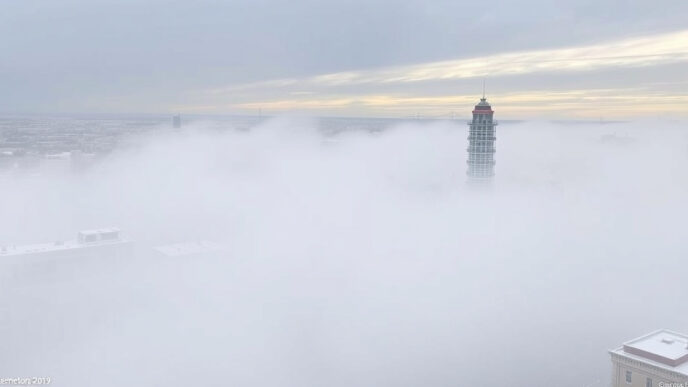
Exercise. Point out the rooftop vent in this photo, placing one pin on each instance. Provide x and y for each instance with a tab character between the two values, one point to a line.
667	340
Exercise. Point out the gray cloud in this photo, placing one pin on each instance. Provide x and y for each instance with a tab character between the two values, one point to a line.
133	56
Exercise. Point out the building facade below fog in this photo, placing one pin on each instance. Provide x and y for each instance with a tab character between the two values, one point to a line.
481	142
64	259
659	359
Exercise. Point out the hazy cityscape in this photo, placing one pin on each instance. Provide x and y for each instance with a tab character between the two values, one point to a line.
344	194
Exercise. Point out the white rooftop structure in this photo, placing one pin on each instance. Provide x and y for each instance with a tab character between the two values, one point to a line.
85	239
190	248
663	349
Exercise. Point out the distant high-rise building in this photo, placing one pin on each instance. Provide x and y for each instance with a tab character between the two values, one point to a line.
481	139
654	360
177	121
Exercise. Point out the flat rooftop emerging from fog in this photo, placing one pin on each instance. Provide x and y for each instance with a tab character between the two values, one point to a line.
663	347
85	239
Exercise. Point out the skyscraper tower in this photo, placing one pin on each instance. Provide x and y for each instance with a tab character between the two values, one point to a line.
481	142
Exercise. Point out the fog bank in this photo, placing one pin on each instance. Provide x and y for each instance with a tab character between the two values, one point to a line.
357	259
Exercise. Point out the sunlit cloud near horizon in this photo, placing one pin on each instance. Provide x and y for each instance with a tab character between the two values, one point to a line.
427	88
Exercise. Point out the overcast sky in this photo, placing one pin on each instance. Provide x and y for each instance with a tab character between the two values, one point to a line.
573	59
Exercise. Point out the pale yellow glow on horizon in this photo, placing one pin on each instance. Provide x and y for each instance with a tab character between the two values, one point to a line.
333	93
583	103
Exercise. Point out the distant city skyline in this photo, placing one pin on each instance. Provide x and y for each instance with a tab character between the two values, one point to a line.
579	60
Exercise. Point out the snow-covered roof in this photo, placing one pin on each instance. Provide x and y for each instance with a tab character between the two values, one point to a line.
38	248
14	250
663	348
190	248
53	247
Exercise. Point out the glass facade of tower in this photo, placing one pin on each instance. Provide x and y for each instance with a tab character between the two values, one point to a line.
481	142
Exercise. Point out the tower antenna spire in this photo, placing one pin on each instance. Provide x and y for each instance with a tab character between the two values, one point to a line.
483	88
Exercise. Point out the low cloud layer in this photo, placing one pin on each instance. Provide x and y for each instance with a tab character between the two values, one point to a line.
358	258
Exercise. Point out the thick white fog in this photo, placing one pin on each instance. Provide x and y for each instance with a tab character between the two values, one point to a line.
355	259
